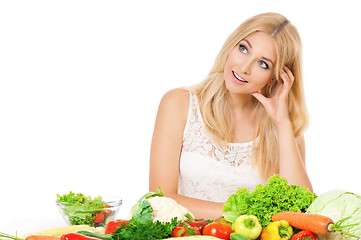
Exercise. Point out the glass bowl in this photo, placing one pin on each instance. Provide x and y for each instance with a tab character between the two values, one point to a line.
92	214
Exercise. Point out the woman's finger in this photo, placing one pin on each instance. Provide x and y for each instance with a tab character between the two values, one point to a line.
287	78
260	97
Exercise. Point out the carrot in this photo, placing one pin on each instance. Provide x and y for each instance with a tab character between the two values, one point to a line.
42	237
31	237
316	223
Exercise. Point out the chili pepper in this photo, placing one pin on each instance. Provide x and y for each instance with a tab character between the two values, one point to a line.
304	235
112	226
76	236
279	230
248	226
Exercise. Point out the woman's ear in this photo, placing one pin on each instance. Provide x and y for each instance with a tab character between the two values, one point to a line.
273	80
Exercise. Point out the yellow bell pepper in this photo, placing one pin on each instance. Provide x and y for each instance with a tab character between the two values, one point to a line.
280	230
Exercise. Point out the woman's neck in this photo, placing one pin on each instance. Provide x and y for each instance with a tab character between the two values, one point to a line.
242	118
240	103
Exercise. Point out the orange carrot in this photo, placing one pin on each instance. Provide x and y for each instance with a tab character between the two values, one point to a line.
42	237
316	223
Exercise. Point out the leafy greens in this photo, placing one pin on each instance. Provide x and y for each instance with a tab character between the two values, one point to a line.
266	200
147	230
137	229
81	209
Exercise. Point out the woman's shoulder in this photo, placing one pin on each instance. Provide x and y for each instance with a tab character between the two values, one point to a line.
177	98
177	94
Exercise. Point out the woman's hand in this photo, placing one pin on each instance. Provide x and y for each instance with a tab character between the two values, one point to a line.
277	106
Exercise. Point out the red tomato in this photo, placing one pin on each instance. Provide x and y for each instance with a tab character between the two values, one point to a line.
218	230
182	231
99	217
199	224
112	226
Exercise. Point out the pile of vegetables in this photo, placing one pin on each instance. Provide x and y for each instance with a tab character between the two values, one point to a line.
274	211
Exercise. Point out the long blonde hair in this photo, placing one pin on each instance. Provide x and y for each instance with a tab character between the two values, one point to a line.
213	94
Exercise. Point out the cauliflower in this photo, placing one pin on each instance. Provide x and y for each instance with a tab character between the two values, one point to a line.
165	208
156	207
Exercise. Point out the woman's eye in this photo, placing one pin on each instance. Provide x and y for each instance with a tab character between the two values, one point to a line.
242	48
263	64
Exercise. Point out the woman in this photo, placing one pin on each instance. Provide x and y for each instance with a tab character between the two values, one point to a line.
242	124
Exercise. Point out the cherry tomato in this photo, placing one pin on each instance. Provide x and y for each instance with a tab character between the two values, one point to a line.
182	231
218	230
112	226
99	217
198	224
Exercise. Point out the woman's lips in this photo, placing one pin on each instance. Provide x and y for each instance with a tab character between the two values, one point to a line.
238	77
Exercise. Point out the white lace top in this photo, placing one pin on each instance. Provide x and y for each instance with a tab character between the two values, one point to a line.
208	171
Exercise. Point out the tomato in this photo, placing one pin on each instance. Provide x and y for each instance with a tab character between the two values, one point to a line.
182	231
99	217
218	230
112	226
198	224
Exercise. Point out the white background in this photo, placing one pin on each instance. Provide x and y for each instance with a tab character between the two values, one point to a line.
80	84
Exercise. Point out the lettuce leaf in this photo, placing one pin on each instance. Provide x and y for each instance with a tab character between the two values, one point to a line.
266	200
81	209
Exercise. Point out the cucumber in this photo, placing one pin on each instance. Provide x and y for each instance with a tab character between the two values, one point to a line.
236	236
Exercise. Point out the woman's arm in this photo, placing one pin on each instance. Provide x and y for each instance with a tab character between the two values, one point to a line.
291	150
165	153
292	157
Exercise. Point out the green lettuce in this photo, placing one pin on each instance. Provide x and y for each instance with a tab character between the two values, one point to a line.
266	200
81	209
340	205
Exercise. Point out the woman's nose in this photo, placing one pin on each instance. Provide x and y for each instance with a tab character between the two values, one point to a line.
245	67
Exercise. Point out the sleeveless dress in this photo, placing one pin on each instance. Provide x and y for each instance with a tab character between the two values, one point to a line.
209	171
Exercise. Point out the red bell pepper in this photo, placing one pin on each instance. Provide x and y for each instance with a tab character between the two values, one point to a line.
112	226
304	235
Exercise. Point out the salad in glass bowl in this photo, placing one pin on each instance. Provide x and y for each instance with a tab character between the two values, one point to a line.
78	209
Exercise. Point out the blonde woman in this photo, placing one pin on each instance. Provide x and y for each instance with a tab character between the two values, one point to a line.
242	124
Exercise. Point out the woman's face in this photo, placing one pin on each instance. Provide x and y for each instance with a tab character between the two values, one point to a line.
250	65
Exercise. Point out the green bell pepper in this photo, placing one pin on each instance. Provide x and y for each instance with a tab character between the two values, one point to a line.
248	226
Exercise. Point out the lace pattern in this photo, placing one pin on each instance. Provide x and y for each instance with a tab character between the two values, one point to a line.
196	139
209	171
